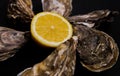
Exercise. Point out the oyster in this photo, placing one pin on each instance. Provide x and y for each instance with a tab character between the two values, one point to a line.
92	18
60	62
10	41
97	50
20	10
62	7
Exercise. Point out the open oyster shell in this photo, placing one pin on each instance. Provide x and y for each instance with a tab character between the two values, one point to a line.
60	62
62	7
97	50
10	41
20	10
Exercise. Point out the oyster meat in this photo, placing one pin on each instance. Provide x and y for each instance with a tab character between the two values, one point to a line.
60	62
10	41
62	7
20	10
97	50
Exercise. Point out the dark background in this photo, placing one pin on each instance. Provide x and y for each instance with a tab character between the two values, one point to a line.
31	53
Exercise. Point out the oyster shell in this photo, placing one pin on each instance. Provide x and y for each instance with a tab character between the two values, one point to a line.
62	7
92	18
60	62
20	10
97	50
10	41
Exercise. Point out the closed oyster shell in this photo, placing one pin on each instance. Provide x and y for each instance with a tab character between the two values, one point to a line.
93	18
62	7
97	50
60	62
20	10
10	41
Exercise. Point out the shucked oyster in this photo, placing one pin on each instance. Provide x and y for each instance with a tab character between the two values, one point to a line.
60	62
20	10
62	7
97	50
10	41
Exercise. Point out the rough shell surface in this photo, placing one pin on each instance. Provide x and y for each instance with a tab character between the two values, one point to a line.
62	7
20	10
60	62
92	18
10	41
97	50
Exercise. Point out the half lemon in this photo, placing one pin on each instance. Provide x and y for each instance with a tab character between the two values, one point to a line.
50	29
